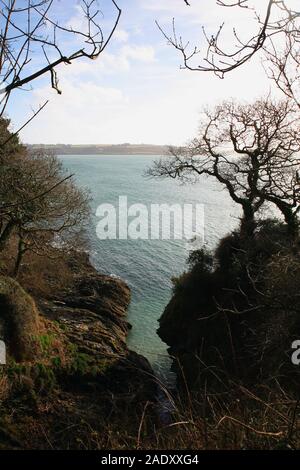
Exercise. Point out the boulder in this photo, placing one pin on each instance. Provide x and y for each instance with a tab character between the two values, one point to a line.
19	320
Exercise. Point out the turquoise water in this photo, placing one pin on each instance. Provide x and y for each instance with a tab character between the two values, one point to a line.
147	265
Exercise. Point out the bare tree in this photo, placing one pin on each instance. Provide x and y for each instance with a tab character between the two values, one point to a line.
275	21
283	62
252	150
43	206
34	42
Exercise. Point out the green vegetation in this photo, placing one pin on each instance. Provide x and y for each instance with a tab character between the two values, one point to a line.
234	314
238	316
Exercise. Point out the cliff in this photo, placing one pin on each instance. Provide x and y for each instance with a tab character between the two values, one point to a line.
234	315
82	375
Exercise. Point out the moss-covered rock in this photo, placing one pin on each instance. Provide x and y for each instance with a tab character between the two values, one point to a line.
82	373
19	320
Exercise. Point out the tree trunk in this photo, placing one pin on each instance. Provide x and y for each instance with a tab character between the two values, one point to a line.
292	222
290	215
248	221
6	233
21	251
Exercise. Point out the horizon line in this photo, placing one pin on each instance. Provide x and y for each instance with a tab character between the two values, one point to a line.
126	144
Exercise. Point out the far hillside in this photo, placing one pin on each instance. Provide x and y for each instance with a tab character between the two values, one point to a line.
104	149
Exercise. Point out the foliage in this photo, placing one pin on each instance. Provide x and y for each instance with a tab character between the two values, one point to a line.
40	205
238	320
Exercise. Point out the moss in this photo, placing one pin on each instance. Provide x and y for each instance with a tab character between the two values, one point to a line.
44	377
30	380
84	365
46	343
19	320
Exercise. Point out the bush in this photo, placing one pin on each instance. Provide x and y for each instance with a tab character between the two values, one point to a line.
201	259
238	319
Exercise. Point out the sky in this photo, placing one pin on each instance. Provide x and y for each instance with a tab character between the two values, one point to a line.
136	91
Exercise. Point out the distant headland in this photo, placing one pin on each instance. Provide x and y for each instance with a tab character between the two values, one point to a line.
102	149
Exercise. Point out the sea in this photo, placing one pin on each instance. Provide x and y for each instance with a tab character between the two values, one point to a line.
147	265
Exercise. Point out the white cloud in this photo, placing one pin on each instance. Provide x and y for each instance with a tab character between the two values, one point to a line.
83	113
78	21
177	6
135	93
206	13
109	63
139	53
121	35
89	113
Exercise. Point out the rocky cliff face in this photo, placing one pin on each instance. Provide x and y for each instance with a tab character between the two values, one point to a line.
93	316
83	373
180	329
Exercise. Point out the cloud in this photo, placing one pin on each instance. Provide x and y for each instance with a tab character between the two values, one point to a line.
108	63
176	6
77	22
138	53
162	109
207	14
121	35
135	92
83	113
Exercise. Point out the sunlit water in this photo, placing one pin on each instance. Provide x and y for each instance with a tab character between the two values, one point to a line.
147	265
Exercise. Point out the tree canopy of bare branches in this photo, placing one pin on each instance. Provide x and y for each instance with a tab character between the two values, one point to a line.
40	203
252	150
35	38
277	22
34	42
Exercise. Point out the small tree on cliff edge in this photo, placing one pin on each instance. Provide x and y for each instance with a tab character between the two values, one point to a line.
40	204
252	150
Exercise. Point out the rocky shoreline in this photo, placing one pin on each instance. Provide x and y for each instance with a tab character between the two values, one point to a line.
84	377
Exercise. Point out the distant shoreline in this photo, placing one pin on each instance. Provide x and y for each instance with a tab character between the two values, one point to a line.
122	149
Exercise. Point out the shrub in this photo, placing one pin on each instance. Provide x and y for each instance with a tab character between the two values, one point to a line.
237	320
201	260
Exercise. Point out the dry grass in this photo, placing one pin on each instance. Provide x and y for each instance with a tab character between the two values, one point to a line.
4	387
241	420
264	417
41	276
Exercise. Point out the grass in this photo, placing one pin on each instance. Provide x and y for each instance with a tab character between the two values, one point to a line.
264	416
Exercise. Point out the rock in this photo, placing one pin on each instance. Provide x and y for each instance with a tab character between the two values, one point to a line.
93	316
87	378
19	320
